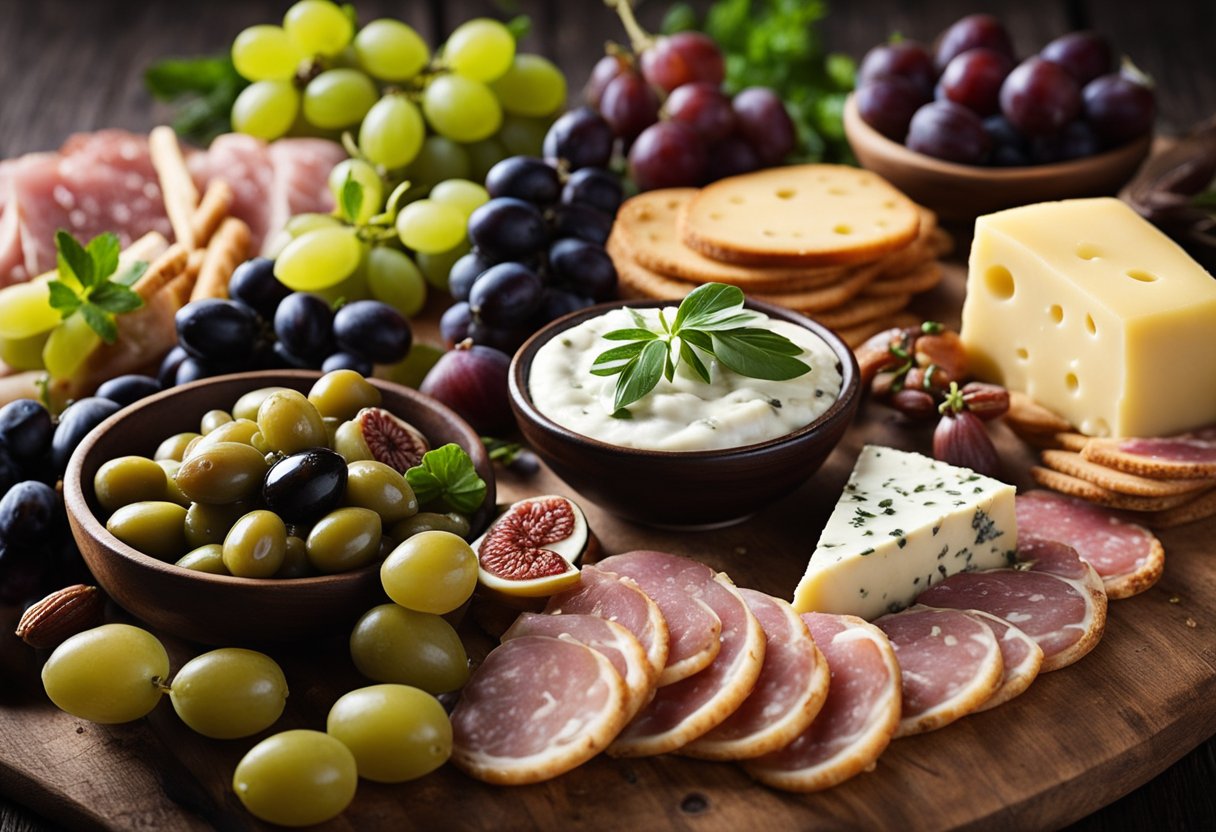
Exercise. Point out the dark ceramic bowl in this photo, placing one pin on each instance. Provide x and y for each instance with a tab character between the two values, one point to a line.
219	609
683	489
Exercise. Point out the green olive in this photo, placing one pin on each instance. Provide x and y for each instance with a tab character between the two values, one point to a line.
393	644
256	545
154	527
172	492
342	394
344	539
174	447
349	441
381	488
331	428
224	473
295	562
209	558
246	406
428	521
240	430
212	419
129	479
207	523
289	423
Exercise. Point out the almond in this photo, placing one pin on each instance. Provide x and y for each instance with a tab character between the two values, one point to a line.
60	615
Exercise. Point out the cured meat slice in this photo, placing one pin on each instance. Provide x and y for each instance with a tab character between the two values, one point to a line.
1186	456
300	183
244	163
1057	599
858	719
791	690
1128	557
693	628
683	711
536	708
617	644
1021	656
949	663
620	600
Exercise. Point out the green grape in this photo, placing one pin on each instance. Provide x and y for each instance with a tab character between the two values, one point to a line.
301	224
430	226
318	27
393	278
392	132
393	644
390	50
339	98
265	109
435	267
484	155
352	288
229	693
461	109
439	159
533	86
480	49
430	572
522	136
296	778
24	353
108	674
373	188
25	310
68	346
318	259
463	195
265	53
413	368
396	732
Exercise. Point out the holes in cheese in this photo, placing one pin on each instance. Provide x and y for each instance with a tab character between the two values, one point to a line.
1141	275
1057	313
843	229
1072	382
1087	251
999	282
1022	353
784	193
1090	326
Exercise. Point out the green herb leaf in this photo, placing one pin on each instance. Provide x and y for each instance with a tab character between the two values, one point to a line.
204	90
613	361
741	353
115	298
689	356
100	322
73	261
446	478
63	298
705	301
132	274
86	283
629	335
519	26
103	250
641	375
352	198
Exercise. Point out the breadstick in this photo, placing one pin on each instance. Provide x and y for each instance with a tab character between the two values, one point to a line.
216	203
227	250
176	185
163	269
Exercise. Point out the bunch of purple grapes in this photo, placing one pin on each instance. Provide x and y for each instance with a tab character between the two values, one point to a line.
971	102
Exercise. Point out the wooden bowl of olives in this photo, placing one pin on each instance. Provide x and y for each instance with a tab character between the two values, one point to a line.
212	608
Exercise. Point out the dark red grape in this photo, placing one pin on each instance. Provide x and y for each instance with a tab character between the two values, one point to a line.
683	58
373	330
888	104
731	157
526	178
974	80
26	428
582	138
906	59
464	273
582	221
1118	108
127	389
1039	97
972	32
703	107
507	229
668	155
949	131
1085	55
216	330
253	282
473	382
629	106
599	188
304	325
605	69
506	295
584	267
454	323
347	361
765	124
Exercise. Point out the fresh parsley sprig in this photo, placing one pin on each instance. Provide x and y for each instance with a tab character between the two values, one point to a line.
710	321
87	283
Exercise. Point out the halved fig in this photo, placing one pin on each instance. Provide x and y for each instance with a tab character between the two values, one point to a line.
532	548
385	437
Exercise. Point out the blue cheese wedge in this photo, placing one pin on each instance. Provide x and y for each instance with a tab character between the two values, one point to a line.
903	523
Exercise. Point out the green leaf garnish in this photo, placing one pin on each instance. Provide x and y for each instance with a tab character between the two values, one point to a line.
710	320
204	89
446	476
87	283
352	198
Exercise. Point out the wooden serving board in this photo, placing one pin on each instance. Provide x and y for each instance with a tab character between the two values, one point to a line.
1077	740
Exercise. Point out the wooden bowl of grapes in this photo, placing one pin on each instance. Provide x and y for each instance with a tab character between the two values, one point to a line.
220	609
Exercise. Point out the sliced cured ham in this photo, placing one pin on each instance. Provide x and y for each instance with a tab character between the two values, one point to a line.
683	711
620	600
1021	656
1186	456
1057	599
791	690
536	707
244	163
858	719
949	662
693	628
617	644
1128	557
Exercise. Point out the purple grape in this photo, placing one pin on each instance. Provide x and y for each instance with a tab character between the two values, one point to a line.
347	361
972	32
1039	97
605	69
887	104
945	130
599	188
582	221
454	323
27	513
629	106
216	330
284	359
304	325
683	58
128	389
1118	108
974	80
668	155
584	267
372	330
906	59
1009	147
503	338
253	282
26	427
765	124
704	108
75	423
558	302
526	178
731	157
464	272
582	138
507	229
506	295
1085	55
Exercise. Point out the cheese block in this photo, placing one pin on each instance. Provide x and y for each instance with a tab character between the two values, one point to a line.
1095	314
903	523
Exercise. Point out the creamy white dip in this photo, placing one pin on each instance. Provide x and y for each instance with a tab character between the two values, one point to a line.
685	414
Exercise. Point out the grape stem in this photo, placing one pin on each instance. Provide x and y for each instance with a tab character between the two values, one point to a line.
639	38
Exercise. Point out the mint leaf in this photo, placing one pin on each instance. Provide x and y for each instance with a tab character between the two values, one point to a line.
748	356
100	322
132	275
641	375
115	298
86	283
352	198
446	477
74	262
103	250
63	298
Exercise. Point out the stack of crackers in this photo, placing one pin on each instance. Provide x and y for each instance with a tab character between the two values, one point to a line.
836	243
1161	492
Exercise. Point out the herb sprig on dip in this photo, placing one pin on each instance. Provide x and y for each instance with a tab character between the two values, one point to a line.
711	320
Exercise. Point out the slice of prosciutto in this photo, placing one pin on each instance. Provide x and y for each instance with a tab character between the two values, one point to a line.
620	600
617	644
683	711
949	663
791	690
1128	557
858	719
693	628
537	707
1055	598
1021	656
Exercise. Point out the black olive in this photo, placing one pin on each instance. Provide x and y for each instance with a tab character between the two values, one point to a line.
304	486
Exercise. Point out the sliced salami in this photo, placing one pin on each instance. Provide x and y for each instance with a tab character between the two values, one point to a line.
791	690
1188	456
857	720
617	644
949	663
693	629
1021	656
681	712
620	600
1128	557
536	708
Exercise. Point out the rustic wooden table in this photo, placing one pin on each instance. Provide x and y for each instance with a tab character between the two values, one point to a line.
69	65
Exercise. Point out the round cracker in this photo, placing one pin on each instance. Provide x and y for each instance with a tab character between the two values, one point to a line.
1075	465
1077	487
921	278
862	309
